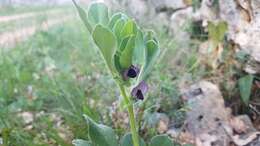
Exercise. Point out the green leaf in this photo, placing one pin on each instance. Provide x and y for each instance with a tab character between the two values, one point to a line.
150	35
98	14
83	16
217	32
245	85
152	53
127	140
127	54
99	134
140	51
80	142
115	18
129	28
118	28
106	42
161	140
117	63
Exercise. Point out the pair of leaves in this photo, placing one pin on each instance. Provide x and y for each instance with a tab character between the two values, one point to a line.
101	135
245	85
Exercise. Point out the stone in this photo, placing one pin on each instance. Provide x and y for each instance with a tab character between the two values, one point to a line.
210	123
178	21
173	5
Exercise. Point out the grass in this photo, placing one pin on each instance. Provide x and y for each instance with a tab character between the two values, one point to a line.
51	67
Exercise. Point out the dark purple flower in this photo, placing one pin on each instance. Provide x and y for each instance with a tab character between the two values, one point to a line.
131	72
139	91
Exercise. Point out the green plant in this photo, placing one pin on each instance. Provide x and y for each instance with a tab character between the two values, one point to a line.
129	54
245	85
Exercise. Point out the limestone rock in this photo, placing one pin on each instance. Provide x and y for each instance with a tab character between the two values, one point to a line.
168	4
210	123
178	21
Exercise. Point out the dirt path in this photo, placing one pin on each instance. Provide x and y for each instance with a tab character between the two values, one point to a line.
10	39
4	19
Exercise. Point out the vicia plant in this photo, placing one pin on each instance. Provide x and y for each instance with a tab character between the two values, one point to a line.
129	54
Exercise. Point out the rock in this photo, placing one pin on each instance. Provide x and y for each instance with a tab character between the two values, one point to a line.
243	18
174	132
137	8
203	121
232	15
206	12
163	5
27	117
163	123
177	24
210	123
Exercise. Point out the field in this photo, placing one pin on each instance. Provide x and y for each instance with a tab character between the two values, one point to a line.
52	74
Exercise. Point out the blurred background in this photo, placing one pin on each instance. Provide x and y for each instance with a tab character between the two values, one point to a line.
51	73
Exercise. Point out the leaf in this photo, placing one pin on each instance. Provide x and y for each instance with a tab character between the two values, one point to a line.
245	84
117	63
101	135
83	16
152	53
127	53
115	18
118	28
106	42
150	35
128	29
161	140
217	32
80	142
98	14
140	51
127	140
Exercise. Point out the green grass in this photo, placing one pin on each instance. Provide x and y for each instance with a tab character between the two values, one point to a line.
54	90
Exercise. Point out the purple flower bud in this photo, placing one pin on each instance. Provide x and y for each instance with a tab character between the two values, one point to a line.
139	91
131	72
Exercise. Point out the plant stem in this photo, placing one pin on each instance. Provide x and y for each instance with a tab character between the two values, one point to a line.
130	110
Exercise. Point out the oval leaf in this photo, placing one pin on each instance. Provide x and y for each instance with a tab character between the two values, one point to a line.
245	85
127	140
161	140
98	14
152	53
83	16
140	51
118	28
80	142
115	18
101	135
127	53
128	29
106	42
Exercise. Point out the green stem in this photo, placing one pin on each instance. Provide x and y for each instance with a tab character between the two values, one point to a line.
131	116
